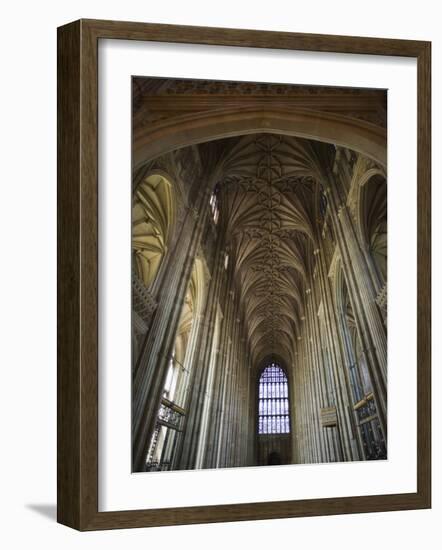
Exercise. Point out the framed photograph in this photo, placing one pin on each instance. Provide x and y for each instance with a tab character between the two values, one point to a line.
231	205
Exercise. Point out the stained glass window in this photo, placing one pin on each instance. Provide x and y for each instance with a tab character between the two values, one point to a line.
214	203
273	401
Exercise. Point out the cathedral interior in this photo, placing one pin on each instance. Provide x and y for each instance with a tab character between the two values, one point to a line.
259	274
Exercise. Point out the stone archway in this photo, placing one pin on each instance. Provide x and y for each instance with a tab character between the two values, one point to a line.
153	140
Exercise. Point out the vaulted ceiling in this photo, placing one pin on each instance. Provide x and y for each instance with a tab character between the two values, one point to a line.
268	199
268	183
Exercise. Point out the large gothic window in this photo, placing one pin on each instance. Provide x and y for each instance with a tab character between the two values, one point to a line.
273	401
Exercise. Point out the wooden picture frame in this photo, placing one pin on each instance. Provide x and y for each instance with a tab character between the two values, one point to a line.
78	274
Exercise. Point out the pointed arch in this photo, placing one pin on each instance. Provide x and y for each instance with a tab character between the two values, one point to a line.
372	217
178	132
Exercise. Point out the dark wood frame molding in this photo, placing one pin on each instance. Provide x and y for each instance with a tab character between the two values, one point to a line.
78	269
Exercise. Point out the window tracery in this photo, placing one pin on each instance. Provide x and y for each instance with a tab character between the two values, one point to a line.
273	402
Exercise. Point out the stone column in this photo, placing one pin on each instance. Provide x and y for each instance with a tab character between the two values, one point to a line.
362	297
323	392
347	448
216	416
231	370
200	370
314	390
151	371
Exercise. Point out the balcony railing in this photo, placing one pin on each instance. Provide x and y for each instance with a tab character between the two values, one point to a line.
170	415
